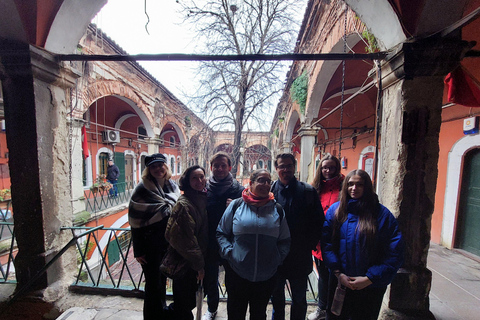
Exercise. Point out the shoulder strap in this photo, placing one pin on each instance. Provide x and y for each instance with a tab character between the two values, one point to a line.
236	203
279	210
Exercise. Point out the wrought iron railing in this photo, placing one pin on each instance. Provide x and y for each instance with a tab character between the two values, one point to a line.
98	199
105	262
7	244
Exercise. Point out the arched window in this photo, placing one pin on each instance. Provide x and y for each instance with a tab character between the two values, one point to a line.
172	164
142	132
260	164
179	168
172	141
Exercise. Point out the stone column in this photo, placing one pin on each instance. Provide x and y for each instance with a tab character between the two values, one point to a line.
286	147
412	105
78	197
36	104
308	137
242	159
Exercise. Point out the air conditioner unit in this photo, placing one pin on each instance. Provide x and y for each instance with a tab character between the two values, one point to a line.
111	136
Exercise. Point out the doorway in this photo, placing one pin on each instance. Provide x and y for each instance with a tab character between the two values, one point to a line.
468	220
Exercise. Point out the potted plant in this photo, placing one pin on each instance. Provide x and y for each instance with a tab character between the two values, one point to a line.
5	194
100	184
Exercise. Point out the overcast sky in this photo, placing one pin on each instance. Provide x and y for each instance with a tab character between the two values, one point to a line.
124	21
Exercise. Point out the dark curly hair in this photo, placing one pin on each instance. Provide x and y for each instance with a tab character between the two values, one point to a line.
184	182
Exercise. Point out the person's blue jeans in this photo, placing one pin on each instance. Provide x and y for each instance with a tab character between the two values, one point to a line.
298	287
113	190
210	285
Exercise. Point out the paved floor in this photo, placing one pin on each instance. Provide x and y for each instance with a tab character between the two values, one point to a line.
455	294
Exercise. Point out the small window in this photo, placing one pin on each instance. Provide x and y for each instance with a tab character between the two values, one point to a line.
142	132
172	164
172	141
178	165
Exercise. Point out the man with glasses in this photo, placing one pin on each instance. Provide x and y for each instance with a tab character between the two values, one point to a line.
305	217
222	188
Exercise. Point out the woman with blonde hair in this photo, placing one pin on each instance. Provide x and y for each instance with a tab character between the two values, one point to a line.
148	211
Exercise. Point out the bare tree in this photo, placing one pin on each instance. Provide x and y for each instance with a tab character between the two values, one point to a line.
241	94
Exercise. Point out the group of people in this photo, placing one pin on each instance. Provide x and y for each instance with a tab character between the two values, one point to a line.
263	235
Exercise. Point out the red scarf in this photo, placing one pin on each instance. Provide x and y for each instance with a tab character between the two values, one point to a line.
252	199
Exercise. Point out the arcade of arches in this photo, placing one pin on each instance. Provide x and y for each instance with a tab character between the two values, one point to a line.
411	142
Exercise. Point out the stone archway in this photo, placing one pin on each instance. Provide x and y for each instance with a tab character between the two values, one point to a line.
114	88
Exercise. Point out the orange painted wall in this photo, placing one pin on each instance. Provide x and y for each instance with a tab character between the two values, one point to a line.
4	171
107	223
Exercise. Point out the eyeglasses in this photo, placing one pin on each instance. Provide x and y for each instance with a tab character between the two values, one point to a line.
263	181
286	167
329	168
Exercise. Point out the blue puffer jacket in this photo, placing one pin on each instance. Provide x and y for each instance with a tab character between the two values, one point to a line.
381	264
254	240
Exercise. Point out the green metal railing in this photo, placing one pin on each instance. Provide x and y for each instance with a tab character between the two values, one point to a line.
98	199
105	263
7	244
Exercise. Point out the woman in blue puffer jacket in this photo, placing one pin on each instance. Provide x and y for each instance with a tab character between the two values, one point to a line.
362	246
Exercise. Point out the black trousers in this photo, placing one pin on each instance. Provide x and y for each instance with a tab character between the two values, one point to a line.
243	293
184	297
155	285
362	304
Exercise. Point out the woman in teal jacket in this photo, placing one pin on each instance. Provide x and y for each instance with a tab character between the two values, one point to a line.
362	246
254	238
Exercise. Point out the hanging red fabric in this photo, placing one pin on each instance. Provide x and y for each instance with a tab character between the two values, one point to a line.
84	143
462	89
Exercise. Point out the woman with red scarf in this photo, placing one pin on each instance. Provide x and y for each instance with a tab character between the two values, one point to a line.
328	183
254	238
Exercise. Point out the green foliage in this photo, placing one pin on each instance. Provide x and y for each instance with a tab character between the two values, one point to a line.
4	194
188	121
81	218
371	40
299	90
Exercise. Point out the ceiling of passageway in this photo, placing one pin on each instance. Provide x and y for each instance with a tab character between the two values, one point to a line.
36	21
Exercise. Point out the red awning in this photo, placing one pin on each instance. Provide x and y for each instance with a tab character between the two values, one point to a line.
462	88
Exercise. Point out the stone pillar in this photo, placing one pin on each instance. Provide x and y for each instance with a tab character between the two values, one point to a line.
36	100
286	147
308	137
78	196
242	159
412	105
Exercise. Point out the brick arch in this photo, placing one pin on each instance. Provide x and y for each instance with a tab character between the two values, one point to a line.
322	75
105	88
177	126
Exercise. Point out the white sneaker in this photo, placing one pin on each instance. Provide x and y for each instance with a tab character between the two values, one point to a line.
209	315
318	314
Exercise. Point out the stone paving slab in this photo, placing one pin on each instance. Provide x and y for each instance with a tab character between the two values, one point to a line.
77	313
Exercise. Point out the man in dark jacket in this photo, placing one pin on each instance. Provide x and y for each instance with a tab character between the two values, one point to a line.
112	176
305	217
222	188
